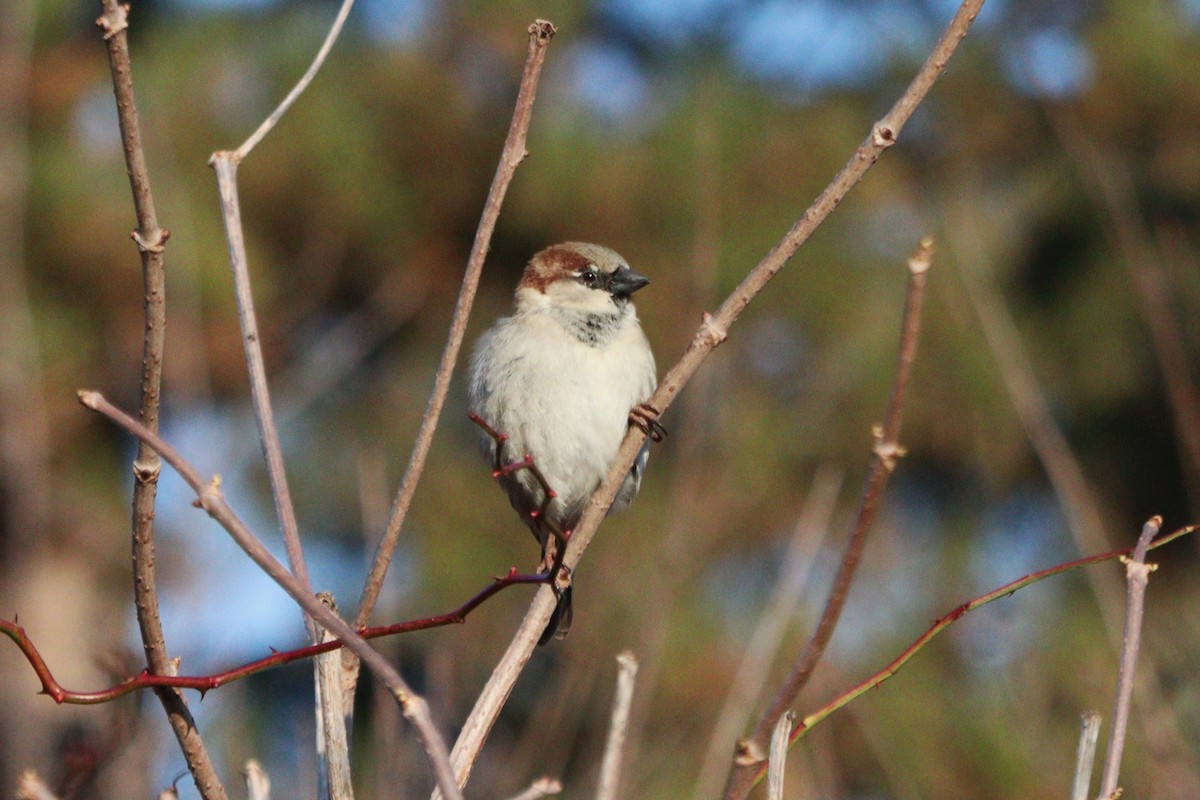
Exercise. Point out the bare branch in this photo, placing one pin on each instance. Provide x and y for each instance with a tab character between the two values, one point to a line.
610	767
1085	758
887	451
258	783
150	239
205	683
748	680
778	757
209	497
333	745
946	621
712	332
301	85
30	786
1137	575
225	165
540	33
542	787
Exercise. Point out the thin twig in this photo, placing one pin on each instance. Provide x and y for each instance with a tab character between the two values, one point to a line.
712	332
258	783
1137	575
209	497
30	786
886	452
540	33
1084	511
610	767
746	687
777	762
949	619
206	683
333	744
1111	189
150	239
1085	757
542	787
301	85
225	164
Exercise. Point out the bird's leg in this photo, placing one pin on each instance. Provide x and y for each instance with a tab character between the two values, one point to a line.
644	417
555	547
497	437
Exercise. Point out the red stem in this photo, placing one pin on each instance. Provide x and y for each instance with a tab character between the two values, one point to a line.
203	683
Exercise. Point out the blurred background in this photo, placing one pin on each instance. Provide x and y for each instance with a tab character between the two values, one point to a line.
1052	411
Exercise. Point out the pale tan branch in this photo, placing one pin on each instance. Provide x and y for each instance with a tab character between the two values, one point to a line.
1137	576
209	497
301	85
150	239
540	33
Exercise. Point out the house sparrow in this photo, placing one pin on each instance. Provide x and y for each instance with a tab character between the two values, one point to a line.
561	379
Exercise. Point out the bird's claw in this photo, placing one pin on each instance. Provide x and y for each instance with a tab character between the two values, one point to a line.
644	417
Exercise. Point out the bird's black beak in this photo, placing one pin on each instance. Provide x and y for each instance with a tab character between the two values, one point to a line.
625	282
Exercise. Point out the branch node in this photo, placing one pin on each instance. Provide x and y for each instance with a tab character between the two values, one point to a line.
712	332
115	21
920	261
748	753
543	29
153	244
883	135
888	452
146	472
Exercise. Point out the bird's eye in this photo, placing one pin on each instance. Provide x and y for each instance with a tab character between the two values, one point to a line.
588	276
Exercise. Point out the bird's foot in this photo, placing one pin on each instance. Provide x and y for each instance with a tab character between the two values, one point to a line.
644	417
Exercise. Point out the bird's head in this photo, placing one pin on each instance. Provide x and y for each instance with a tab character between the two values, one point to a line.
578	276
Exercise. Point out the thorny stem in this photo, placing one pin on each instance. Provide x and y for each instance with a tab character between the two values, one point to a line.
204	683
887	450
712	332
949	619
1137	576
209	497
150	239
540	33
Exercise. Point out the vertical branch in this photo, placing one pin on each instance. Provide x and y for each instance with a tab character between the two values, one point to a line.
712	332
150	239
887	451
778	758
1137	574
610	768
225	164
540	33
760	652
1085	757
333	743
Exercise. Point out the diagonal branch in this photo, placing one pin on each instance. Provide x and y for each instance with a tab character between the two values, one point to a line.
209	497
276	115
958	613
712	332
150	238
540	33
887	451
205	683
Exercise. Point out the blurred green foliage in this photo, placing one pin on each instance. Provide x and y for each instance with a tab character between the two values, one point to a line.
360	209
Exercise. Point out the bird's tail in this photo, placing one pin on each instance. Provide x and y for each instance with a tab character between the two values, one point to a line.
560	621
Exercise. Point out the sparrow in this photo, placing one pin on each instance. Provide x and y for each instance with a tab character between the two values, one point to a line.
560	380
